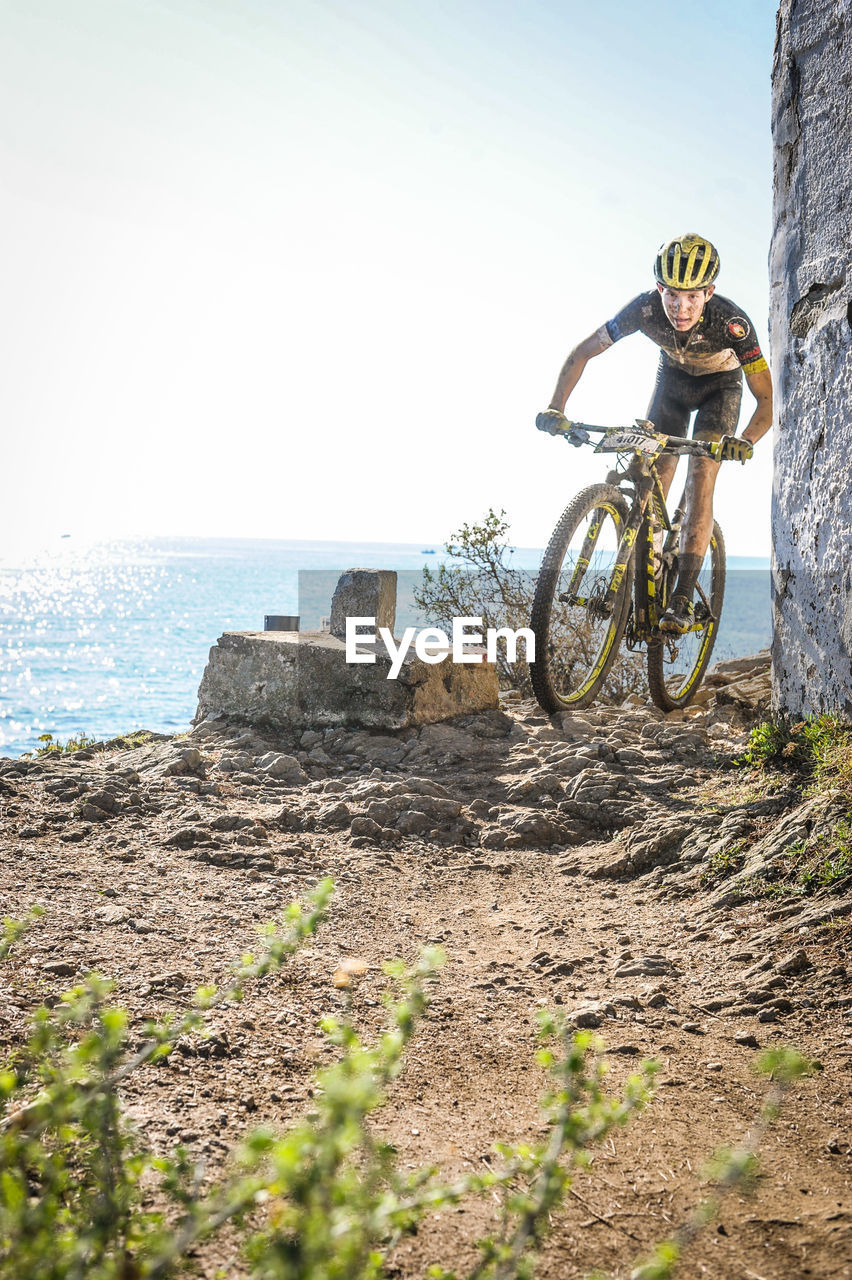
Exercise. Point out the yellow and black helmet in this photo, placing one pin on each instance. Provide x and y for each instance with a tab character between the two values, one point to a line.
689	262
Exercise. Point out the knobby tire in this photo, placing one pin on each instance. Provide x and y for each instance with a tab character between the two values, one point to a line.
575	647
676	665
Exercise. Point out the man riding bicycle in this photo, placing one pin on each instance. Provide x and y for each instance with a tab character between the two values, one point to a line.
705	342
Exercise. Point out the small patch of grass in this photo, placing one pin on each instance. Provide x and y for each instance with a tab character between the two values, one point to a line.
723	862
760	887
819	748
820	862
55	746
127	741
721	794
825	861
838	930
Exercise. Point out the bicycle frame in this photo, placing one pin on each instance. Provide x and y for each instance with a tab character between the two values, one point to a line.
648	509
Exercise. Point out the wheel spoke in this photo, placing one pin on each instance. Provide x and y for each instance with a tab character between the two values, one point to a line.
577	631
676	664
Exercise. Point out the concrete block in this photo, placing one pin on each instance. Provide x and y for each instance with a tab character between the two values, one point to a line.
364	593
287	679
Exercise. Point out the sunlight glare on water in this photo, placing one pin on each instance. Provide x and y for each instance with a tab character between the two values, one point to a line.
94	637
107	637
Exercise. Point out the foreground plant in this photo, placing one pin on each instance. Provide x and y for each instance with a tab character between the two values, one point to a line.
80	1198
820	748
534	1181
326	1199
71	1202
729	1169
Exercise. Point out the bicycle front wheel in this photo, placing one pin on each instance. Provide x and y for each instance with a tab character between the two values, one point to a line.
676	664
577	633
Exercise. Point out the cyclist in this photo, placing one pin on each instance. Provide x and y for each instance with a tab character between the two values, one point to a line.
706	343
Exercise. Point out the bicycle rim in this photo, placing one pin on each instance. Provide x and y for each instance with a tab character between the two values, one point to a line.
576	641
676	664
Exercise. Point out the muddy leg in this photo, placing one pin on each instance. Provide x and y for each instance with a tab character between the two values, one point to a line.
697	523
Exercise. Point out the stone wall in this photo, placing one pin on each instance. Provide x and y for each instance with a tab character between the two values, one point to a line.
811	343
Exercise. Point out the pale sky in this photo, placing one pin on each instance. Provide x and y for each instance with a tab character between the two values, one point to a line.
308	268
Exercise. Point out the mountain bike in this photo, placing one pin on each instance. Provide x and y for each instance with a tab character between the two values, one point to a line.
609	572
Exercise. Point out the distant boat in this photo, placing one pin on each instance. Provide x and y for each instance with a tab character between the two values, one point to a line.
427	551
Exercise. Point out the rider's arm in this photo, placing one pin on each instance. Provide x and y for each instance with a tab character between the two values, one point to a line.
574	366
760	386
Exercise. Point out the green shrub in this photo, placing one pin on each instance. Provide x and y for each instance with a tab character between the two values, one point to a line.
333	1200
71	1203
55	746
730	1168
485	584
823	861
323	1201
820	748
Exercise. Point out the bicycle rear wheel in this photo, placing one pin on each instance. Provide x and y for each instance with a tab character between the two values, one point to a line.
676	664
576	635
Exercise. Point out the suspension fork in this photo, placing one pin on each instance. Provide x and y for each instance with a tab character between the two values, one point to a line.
584	559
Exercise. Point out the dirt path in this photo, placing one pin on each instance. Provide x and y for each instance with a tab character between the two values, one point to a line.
590	864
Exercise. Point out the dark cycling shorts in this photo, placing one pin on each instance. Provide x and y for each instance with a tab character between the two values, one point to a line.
716	397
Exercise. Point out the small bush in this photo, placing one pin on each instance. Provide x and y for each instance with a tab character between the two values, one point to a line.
485	584
323	1201
55	746
825	860
819	748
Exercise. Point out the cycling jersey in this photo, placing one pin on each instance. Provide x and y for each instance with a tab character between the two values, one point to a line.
723	339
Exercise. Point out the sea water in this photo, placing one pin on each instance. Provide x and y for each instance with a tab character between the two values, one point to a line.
106	637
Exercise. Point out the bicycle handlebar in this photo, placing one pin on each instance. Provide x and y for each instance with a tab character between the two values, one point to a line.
577	434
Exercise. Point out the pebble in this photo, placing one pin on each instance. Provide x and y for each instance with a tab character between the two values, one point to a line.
693	1028
590	1016
112	914
747	1039
645	966
795	963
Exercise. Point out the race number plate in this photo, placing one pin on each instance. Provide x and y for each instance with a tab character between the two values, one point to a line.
632	440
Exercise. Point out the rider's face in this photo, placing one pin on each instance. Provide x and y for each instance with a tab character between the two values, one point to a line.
684	306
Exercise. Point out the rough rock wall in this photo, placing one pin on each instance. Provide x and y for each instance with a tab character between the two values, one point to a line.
811	341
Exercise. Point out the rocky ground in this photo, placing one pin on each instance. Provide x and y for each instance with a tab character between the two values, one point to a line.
611	862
